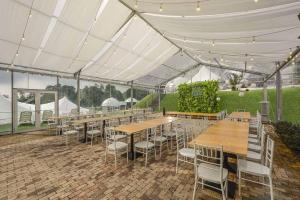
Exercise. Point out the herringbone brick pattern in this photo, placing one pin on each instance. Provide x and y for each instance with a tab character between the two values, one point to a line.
42	167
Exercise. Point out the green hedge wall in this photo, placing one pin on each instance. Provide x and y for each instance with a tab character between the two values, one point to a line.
198	97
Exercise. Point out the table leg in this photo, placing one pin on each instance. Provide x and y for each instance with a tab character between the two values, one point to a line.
84	131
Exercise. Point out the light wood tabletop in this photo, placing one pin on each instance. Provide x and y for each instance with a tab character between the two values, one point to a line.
240	115
198	114
137	127
232	135
95	119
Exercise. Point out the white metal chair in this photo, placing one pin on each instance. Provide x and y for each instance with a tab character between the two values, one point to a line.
67	132
159	140
94	131
257	169
113	146
146	147
170	133
255	151
63	124
209	168
184	153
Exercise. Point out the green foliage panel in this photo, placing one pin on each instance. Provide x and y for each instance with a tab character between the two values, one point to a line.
231	101
198	97
146	101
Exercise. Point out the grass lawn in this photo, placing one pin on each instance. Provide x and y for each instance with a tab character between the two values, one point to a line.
146	101
24	127
231	101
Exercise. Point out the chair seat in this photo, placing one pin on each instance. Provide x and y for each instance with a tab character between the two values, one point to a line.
117	146
159	139
254	147
253	155
211	172
143	145
253	136
252	167
119	137
187	152
71	132
94	132
253	140
170	134
62	126
79	128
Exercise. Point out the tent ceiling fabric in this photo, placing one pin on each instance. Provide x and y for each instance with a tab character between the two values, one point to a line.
228	30
104	39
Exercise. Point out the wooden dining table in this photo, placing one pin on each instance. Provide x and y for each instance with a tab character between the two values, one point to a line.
243	116
98	119
232	136
133	128
193	114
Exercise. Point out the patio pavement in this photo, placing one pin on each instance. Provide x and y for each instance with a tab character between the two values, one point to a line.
38	166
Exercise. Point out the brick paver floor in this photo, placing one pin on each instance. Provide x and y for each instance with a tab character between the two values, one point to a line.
42	167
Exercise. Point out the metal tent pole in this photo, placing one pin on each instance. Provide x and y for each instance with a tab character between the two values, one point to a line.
278	97
131	95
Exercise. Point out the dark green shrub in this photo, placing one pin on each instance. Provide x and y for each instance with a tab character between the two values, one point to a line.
198	97
289	133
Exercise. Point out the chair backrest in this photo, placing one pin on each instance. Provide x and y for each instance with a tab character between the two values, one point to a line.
25	117
180	138
241	110
211	155
269	153
46	115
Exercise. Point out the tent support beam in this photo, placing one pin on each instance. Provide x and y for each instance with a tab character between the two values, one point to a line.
12	100
58	93
284	63
278	97
78	92
131	95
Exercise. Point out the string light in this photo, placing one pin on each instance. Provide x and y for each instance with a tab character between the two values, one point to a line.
30	15
23	38
213	43
136	4
255	1
198	6
161	8
251	59
17	54
253	39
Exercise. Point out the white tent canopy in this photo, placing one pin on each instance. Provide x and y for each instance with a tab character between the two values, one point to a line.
107	40
110	102
204	74
134	100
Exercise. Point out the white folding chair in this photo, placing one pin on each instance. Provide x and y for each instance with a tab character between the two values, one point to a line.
67	132
94	131
209	168
147	146
160	140
257	169
184	153
113	146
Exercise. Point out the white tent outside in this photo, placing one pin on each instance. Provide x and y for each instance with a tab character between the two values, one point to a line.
204	74
110	102
134	100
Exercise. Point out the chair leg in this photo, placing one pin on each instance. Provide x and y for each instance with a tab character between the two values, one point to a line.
92	140
127	155
105	155
202	184
160	150
223	193
195	188
271	187
146	159
239	172
115	160
177	163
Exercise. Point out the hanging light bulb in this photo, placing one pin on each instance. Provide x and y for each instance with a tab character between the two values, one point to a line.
255	1
30	15
136	5
251	59
23	38
198	6
221	59
85	42
161	8
213	43
17	54
253	39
